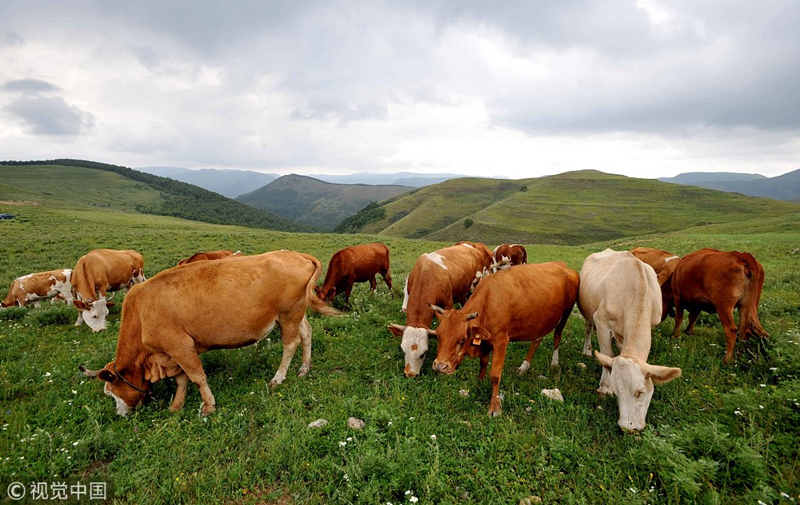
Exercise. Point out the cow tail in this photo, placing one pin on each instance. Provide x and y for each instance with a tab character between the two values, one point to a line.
748	309
312	299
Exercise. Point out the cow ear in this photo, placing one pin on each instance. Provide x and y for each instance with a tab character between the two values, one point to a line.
661	374
80	304
436	308
106	375
396	329
478	333
432	334
331	293
110	304
604	360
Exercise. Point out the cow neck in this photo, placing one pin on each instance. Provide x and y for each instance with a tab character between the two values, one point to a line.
130	353
82	284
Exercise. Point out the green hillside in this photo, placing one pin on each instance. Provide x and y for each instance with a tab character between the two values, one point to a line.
77	184
570	208
317	203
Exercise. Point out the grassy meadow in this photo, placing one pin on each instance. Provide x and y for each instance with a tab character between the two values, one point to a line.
719	434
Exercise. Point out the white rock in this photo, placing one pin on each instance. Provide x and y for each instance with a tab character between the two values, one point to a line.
582	365
319	423
356	424
463	392
553	394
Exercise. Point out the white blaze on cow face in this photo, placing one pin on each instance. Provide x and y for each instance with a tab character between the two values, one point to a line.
95	316
632	382
123	408
64	288
436	258
414	346
405	295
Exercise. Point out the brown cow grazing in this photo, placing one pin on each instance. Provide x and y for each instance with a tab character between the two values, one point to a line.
513	254
209	255
185	311
98	272
664	263
357	263
38	286
620	296
442	278
714	281
522	304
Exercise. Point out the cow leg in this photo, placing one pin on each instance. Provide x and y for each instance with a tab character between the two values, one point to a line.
373	284
387	278
604	338
305	338
526	365
729	327
678	318
484	356
495	373
693	315
79	321
182	381
186	357
557	337
587	338
290	333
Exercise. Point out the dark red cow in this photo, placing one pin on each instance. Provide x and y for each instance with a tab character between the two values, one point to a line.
357	263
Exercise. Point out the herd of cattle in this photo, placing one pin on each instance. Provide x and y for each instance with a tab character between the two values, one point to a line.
200	304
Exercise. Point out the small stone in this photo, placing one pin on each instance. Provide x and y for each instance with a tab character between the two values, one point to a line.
530	500
319	423
356	424
582	365
463	392
553	394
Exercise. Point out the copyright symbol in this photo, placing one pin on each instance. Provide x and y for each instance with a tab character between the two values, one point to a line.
16	490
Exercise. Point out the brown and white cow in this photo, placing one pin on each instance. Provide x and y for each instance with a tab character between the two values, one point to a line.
509	255
714	281
98	272
521	304
209	255
37	286
664	263
442	278
358	263
621	297
185	311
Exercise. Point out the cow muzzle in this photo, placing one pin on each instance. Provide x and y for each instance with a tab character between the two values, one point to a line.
442	367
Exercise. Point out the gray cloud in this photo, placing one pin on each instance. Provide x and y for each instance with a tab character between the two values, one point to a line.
50	115
29	86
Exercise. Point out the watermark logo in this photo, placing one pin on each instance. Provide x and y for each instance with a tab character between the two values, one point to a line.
57	491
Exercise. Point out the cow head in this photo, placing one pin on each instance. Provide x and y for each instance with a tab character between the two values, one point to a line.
414	346
123	389
325	294
632	382
94	312
459	335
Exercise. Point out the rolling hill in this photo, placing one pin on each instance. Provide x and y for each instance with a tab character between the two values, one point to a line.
782	187
80	184
570	208
316	203
230	183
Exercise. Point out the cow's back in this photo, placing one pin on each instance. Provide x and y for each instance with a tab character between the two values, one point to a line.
715	275
249	291
528	300
361	262
105	269
624	288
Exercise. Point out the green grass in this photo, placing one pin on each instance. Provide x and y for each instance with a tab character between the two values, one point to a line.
718	434
570	209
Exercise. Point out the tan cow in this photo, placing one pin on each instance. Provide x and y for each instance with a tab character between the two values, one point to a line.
185	311
442	278
357	263
714	281
38	286
664	263
521	304
99	272
209	255
509	255
621	297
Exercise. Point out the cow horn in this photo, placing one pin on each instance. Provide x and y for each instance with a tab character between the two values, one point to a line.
471	316
88	373
109	299
436	308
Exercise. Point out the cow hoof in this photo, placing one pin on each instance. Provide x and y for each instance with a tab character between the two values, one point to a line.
495	413
524	367
303	371
273	383
176	408
587	353
207	409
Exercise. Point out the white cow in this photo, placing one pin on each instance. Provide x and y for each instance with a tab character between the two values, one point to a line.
621	297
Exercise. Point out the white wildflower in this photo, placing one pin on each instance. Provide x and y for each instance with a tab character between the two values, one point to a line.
433	437
342	444
413	499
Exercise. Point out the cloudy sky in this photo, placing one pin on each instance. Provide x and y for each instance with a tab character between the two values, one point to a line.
518	89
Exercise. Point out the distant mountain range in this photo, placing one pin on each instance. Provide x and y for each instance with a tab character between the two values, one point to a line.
230	183
316	203
569	208
782	187
234	183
